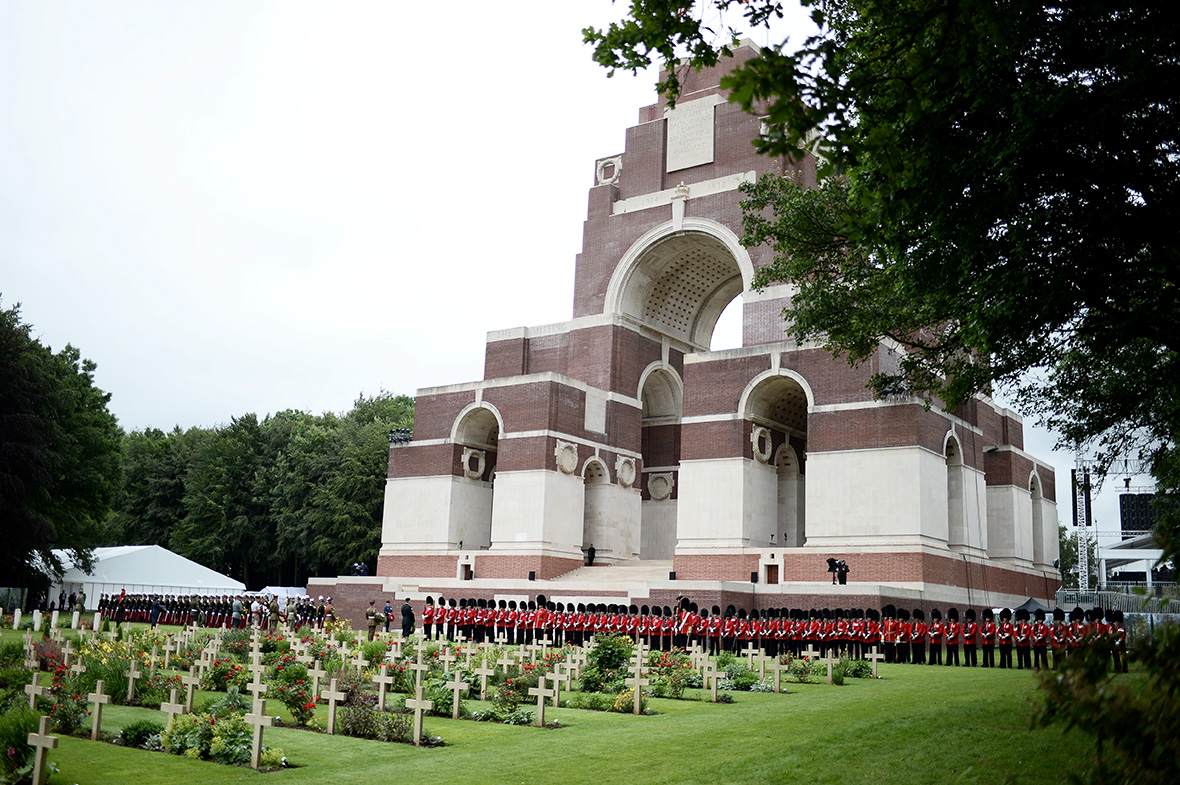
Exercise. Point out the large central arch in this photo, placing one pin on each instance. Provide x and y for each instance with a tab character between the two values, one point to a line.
677	281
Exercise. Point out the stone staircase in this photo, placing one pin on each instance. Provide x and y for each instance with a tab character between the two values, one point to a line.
630	577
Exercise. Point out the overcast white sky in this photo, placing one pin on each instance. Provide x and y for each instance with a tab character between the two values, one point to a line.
239	207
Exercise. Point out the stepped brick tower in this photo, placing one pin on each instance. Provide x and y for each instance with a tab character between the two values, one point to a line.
620	429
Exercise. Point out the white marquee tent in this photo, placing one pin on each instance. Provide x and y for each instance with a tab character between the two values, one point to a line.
142	569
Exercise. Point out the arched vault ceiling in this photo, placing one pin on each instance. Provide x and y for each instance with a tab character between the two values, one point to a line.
682	285
779	401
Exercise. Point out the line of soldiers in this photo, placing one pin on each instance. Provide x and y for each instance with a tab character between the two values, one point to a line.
902	636
226	610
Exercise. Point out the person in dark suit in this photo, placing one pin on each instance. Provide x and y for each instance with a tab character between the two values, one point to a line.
407	619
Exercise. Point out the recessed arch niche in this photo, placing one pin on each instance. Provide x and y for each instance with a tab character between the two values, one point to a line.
678	282
776	407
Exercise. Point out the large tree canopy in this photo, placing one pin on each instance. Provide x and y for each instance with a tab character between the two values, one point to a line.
60	464
1004	179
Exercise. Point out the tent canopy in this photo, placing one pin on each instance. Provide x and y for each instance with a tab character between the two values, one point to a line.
142	569
1031	605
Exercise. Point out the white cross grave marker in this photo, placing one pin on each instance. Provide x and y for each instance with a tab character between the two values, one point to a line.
419	704
456	686
541	694
99	699
331	695
259	720
42	742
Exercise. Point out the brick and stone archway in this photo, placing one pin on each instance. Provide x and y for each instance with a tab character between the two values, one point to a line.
678	278
661	395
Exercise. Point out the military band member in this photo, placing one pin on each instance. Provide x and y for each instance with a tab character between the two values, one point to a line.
1023	640
987	638
1040	641
1006	638
970	636
935	637
952	634
918	633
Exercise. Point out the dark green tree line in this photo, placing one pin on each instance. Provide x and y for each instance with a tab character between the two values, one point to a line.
268	501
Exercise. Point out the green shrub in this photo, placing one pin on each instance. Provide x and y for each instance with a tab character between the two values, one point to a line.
374	651
592	701
233	702
144	734
625	702
510	695
225	739
369	722
738	677
519	717
799	669
860	669
112	672
15	727
437	691
225	673
12	653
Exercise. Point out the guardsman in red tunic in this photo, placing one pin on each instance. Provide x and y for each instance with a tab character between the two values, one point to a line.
1077	629
428	618
700	633
1023	640
905	631
987	638
1040	641
510	623
918	632
970	636
936	635
873	631
1118	633
452	619
1006	638
889	632
729	629
952	635
1058	637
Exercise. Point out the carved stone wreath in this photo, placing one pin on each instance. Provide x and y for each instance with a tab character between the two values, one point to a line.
625	471
567	457
609	169
479	457
659	486
761	439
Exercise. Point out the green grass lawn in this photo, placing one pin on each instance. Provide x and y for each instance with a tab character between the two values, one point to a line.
917	724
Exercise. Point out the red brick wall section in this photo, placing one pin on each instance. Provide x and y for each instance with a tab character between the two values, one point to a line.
434	415
661	445
891	426
427	460
490	565
421	566
721	439
504	358
721	567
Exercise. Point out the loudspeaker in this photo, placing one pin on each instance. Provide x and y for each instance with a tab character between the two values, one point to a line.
532	575
672	575
753	576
